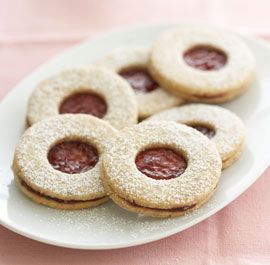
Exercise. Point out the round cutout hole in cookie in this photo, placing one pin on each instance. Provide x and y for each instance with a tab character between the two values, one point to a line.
205	58
73	157
161	163
206	130
139	79
84	103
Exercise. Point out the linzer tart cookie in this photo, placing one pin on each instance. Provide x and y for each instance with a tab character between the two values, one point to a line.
222	126
58	161
131	64
200	64
92	91
161	169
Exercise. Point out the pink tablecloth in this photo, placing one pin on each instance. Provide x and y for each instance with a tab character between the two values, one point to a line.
32	31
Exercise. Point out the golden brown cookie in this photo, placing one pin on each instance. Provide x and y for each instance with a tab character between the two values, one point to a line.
161	169
58	161
222	126
131	64
201	64
92	91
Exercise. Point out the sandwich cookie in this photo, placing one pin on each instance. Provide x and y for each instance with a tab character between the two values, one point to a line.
161	169
203	65
91	91
131	64
222	126
58	161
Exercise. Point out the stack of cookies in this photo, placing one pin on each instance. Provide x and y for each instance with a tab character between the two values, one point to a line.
136	127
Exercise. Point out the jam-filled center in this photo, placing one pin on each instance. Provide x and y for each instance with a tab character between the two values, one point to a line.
205	58
73	157
84	103
139	79
161	163
207	131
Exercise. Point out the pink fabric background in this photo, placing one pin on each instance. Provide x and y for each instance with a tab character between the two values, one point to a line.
31	31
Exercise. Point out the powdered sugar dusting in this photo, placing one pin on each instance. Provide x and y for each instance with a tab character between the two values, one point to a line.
199	179
31	163
121	101
110	219
170	68
229	129
148	103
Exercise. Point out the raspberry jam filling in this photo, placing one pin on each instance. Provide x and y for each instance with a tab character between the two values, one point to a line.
26	186
139	79
84	103
73	157
161	163
209	132
177	209
205	58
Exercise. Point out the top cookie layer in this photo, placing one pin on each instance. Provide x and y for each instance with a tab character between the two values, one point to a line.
137	58
31	156
168	66
229	129
121	102
195	184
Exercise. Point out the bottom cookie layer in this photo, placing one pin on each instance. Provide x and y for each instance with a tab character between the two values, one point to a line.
161	213
214	99
218	98
55	202
230	160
